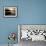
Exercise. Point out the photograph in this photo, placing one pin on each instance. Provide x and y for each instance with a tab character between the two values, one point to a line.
10	11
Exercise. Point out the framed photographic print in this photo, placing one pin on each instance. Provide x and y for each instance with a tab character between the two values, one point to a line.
10	11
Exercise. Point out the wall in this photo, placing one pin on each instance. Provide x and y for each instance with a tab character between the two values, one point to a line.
7	25
29	12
